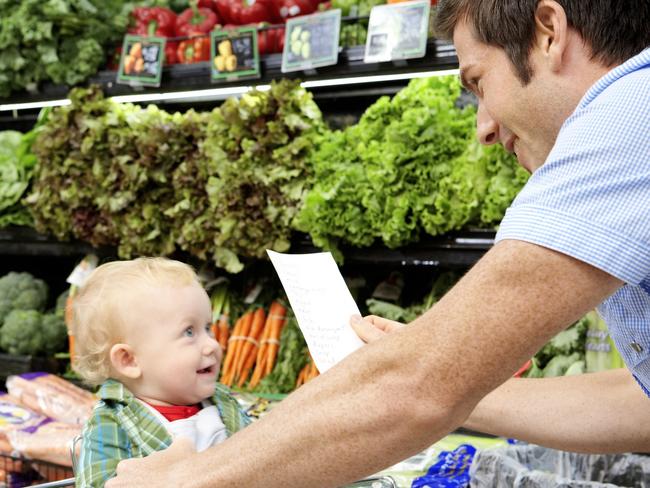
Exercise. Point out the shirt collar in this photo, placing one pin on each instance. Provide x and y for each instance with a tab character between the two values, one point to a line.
115	391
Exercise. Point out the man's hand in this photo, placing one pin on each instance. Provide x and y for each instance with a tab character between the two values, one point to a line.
162	468
371	328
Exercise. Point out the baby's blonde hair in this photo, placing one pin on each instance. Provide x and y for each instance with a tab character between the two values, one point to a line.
99	320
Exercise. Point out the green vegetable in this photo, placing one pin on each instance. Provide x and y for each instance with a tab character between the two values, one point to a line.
292	357
30	332
54	332
63	41
258	151
559	365
21	332
21	291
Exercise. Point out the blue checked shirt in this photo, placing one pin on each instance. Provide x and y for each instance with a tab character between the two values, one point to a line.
591	200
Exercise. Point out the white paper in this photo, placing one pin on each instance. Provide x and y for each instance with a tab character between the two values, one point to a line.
322	304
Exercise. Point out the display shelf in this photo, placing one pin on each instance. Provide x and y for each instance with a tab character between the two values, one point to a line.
457	249
25	241
441	55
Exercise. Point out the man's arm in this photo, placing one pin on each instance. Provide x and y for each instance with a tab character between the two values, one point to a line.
394	397
599	412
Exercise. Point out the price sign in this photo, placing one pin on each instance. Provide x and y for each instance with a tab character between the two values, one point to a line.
142	61
397	31
234	54
311	41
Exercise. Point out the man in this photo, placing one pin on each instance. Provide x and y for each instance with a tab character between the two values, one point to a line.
563	86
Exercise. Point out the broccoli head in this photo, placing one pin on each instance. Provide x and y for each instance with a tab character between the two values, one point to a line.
21	332
55	333
21	291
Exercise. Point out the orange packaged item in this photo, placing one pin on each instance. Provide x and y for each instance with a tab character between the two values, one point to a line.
14	416
52	396
50	441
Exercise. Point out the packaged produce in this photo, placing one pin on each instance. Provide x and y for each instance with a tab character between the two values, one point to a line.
52	396
50	441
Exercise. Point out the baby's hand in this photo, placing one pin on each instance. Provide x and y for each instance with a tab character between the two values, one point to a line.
372	328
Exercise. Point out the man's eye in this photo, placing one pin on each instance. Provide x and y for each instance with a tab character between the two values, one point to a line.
189	332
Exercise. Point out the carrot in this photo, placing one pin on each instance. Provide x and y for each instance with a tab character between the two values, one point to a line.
238	343
261	351
230	352
301	376
274	337
257	324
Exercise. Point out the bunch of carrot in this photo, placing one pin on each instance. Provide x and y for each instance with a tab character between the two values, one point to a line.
253	346
308	372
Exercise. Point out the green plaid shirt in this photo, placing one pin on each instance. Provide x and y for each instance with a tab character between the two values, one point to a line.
121	428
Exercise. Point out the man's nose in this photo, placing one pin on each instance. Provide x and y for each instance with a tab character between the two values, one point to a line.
487	128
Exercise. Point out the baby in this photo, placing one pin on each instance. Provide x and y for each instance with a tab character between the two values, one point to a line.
142	332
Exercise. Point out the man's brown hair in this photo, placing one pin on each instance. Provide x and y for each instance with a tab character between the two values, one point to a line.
614	30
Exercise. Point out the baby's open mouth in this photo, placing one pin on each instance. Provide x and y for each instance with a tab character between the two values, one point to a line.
205	370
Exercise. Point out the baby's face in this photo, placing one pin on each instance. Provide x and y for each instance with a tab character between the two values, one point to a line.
173	345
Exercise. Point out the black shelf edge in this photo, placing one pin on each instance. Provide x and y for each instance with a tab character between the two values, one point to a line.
454	249
440	55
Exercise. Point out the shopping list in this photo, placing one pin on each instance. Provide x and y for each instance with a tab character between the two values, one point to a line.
321	302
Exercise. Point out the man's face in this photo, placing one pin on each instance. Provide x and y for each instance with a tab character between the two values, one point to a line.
522	118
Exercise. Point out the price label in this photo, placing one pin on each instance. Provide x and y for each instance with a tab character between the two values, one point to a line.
311	41
397	31
142	61
234	54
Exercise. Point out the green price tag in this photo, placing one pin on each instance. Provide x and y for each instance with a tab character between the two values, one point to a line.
234	54
397	31
142	60
311	41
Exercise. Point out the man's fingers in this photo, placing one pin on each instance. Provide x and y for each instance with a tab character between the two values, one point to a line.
383	324
365	329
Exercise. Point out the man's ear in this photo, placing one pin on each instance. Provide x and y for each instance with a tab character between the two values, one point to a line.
124	362
551	33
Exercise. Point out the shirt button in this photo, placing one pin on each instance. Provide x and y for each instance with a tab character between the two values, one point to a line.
636	346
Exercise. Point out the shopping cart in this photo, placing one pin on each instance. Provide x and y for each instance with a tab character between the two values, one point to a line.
64	476
22	472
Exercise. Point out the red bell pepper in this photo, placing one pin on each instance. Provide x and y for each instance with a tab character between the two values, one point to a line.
153	21
286	9
197	20
206	4
241	12
171	52
195	49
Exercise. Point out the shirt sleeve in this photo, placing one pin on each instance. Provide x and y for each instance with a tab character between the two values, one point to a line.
104	445
591	199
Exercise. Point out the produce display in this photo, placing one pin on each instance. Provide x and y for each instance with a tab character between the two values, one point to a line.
62	41
24	327
16	167
229	184
411	166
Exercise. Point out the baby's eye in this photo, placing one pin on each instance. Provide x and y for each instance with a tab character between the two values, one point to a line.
189	332
208	329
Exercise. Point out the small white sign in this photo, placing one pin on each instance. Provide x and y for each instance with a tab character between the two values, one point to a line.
322	304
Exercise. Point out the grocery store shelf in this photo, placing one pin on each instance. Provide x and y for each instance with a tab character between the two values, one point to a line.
458	249
440	56
24	241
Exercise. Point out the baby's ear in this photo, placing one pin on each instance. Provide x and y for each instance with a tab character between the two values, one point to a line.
124	362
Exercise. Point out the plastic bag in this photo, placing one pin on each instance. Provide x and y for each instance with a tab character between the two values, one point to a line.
52	396
531	466
14	416
50	442
451	470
